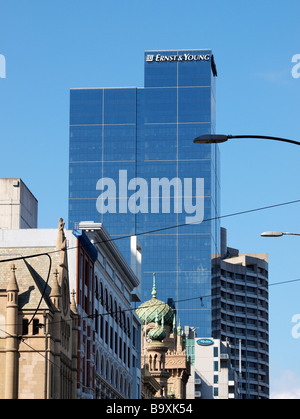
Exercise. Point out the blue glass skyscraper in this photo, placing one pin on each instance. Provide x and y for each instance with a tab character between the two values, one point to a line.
134	167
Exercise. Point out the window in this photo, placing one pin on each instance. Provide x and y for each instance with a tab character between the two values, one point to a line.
111	307
106	332
116	343
120	348
25	327
106	299
97	288
86	273
128	327
111	338
101	293
101	326
35	327
216	366
96	321
116	311
133	336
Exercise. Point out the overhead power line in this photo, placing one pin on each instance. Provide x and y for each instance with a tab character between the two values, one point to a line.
200	298
156	230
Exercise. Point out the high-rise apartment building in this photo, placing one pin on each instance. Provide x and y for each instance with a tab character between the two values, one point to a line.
241	315
134	168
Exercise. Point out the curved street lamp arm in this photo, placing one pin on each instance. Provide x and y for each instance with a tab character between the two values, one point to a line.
286	140
216	139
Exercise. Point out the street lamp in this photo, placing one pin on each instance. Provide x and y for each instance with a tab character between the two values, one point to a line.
216	139
278	234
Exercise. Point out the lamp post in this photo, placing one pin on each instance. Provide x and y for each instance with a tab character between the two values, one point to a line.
216	139
278	234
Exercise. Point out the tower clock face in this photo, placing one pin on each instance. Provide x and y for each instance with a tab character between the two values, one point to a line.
65	296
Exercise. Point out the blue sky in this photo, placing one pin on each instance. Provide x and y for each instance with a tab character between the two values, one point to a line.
52	46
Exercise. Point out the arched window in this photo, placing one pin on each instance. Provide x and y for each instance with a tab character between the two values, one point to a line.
106	299
111	307
123	321
101	293
120	316
116	311
128	327
97	288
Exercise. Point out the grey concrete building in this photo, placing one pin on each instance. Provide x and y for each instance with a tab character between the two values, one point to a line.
18	206
241	315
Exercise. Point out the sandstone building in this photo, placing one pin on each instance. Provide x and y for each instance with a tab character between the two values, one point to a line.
38	323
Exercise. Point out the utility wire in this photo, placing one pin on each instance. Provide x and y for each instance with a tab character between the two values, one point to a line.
200	298
157	230
139	234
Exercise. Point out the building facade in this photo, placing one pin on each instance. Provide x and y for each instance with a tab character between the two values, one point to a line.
134	168
108	330
18	206
38	323
212	375
114	350
241	315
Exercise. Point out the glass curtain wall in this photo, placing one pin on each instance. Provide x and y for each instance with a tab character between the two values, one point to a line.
138	144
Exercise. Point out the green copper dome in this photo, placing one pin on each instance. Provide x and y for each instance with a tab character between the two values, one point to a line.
154	310
158	333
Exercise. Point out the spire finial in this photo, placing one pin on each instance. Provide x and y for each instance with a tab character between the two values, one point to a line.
12	285
154	287
73	302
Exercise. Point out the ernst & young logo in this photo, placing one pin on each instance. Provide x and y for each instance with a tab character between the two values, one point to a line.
184	57
2	67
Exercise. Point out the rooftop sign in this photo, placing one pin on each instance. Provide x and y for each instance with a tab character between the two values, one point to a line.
184	57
